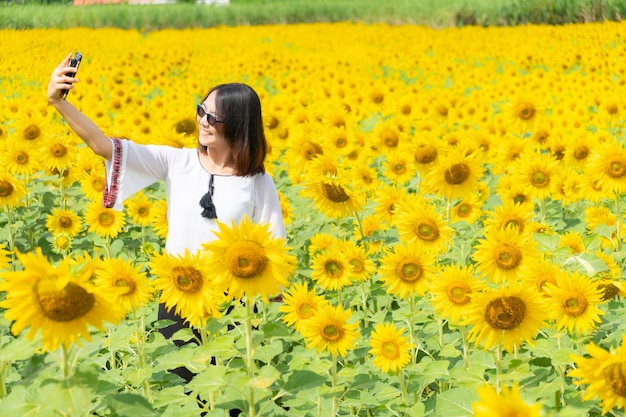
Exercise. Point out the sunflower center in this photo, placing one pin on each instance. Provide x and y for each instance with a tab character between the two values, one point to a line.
390	350
305	311
464	210
331	332
399	168
58	151
333	269
505	313
106	219
459	294
508	256
390	139
6	188
65	222
335	193
525	111
608	291
21	158
125	282
186	126
409	271
457	174
273	123
425	154
246	259
581	152
357	265
98	184
427	230
520	199
539	179
32	132
574	303
615	377
311	150
62	242
516	222
616	168
187	279
67	304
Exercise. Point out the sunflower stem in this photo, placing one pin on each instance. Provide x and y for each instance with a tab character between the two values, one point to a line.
333	385
618	209
3	384
402	385
498	365
411	327
65	361
11	237
250	356
141	357
465	346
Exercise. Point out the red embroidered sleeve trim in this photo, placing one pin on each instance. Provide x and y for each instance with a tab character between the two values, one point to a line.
111	190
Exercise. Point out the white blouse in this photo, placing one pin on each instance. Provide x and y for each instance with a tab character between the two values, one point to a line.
186	182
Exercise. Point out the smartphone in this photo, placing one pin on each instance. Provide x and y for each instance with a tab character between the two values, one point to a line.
74	62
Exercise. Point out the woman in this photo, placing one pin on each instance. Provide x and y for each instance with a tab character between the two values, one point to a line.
223	178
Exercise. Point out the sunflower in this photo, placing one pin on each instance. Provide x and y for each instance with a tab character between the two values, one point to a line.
467	209
508	315
20	158
504	255
159	219
247	260
331	269
362	267
57	153
320	242
300	304
63	221
451	292
511	214
406	269
366	177
421	224
386	136
103	221
285	208
507	403
386	200
574	303
607	166
329	330
536	173
455	175
426	152
525	110
5	257
134	288
604	373
185	286
56	299
334	197
398	167
31	127
371	232
391	350
573	241
138	209
93	184
541	273
12	191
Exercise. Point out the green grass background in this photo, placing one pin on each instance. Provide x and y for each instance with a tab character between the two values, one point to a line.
26	14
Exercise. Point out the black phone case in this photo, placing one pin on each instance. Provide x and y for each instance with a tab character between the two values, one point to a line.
74	62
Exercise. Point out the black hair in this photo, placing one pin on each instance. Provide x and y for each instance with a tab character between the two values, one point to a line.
239	107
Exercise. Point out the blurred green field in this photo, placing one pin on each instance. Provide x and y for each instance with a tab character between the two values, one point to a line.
186	13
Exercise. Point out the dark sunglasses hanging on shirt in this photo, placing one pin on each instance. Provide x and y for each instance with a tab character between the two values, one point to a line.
206	202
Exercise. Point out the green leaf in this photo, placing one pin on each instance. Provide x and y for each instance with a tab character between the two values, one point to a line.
130	405
456	402
265	353
302	380
12	349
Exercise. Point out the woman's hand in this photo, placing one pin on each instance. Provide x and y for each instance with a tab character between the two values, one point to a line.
62	78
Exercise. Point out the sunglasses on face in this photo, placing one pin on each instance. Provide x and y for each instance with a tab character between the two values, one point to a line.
201	112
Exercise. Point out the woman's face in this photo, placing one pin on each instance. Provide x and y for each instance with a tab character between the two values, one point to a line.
210	135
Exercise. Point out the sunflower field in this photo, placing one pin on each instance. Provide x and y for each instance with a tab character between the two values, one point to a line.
454	202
